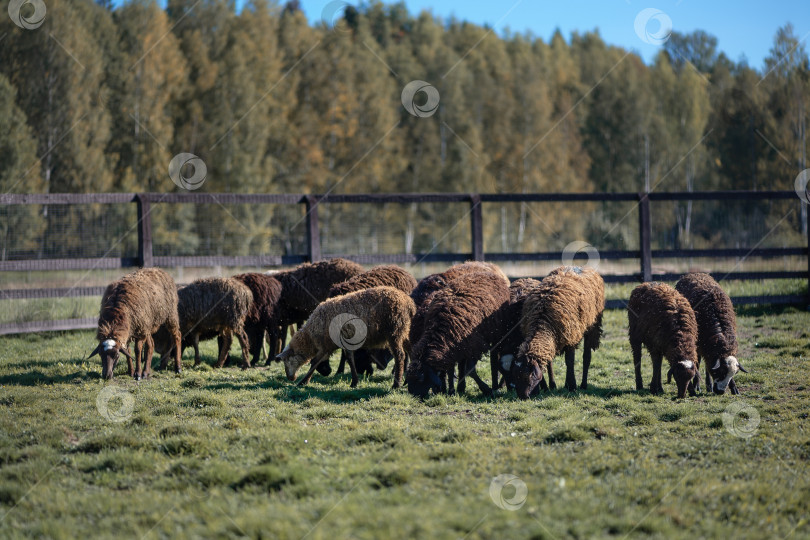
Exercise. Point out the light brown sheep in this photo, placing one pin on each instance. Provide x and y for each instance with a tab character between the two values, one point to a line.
564	309
379	317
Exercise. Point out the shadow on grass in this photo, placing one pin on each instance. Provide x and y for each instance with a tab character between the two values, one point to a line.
757	310
36	378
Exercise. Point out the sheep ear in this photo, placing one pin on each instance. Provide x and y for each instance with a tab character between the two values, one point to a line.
95	351
739	365
126	353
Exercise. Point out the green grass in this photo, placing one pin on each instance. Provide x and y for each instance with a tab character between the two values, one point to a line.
227	453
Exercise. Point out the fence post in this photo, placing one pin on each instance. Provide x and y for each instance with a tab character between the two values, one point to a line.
476	227
313	231
144	229
644	233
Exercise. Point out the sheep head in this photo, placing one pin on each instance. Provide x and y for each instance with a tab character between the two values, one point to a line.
292	359
108	350
723	372
684	371
525	375
422	380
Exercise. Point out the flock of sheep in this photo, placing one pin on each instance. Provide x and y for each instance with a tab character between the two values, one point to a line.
436	329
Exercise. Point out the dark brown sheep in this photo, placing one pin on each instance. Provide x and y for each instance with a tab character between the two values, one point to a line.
434	282
212	307
461	323
717	330
662	320
306	286
377	317
133	308
507	347
263	315
379	276
563	310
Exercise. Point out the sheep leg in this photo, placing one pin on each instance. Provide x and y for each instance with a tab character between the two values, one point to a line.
462	377
733	387
227	340
485	389
636	347
400	361
138	350
255	340
315	361
552	385
342	366
149	351
451	382
244	343
570	378
586	364
130	369
655	385
353	369
178	351
493	368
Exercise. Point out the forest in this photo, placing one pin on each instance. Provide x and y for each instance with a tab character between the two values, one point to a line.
100	98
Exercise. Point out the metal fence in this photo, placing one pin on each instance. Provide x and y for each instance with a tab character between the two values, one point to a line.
141	223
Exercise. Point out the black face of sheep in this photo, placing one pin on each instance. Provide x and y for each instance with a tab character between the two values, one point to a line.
685	372
723	372
108	350
526	376
425	380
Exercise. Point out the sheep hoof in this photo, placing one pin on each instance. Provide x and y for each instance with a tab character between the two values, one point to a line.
583	386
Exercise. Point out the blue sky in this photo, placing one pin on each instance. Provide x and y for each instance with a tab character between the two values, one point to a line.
744	28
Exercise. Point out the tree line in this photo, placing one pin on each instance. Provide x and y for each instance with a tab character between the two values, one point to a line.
101	98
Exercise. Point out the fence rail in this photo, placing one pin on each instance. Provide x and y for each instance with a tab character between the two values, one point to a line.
145	202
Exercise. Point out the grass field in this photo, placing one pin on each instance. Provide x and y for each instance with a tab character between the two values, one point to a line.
227	453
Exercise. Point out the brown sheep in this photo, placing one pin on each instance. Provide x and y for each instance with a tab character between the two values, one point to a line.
717	330
263	315
434	282
375	318
379	276
506	349
212	307
133	308
462	322
306	286
563	310
662	320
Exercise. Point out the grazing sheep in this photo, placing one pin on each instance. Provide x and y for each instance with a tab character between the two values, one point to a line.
212	307
434	282
461	322
662	320
263	314
377	317
379	276
564	309
506	349
306	286
717	330
133	308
